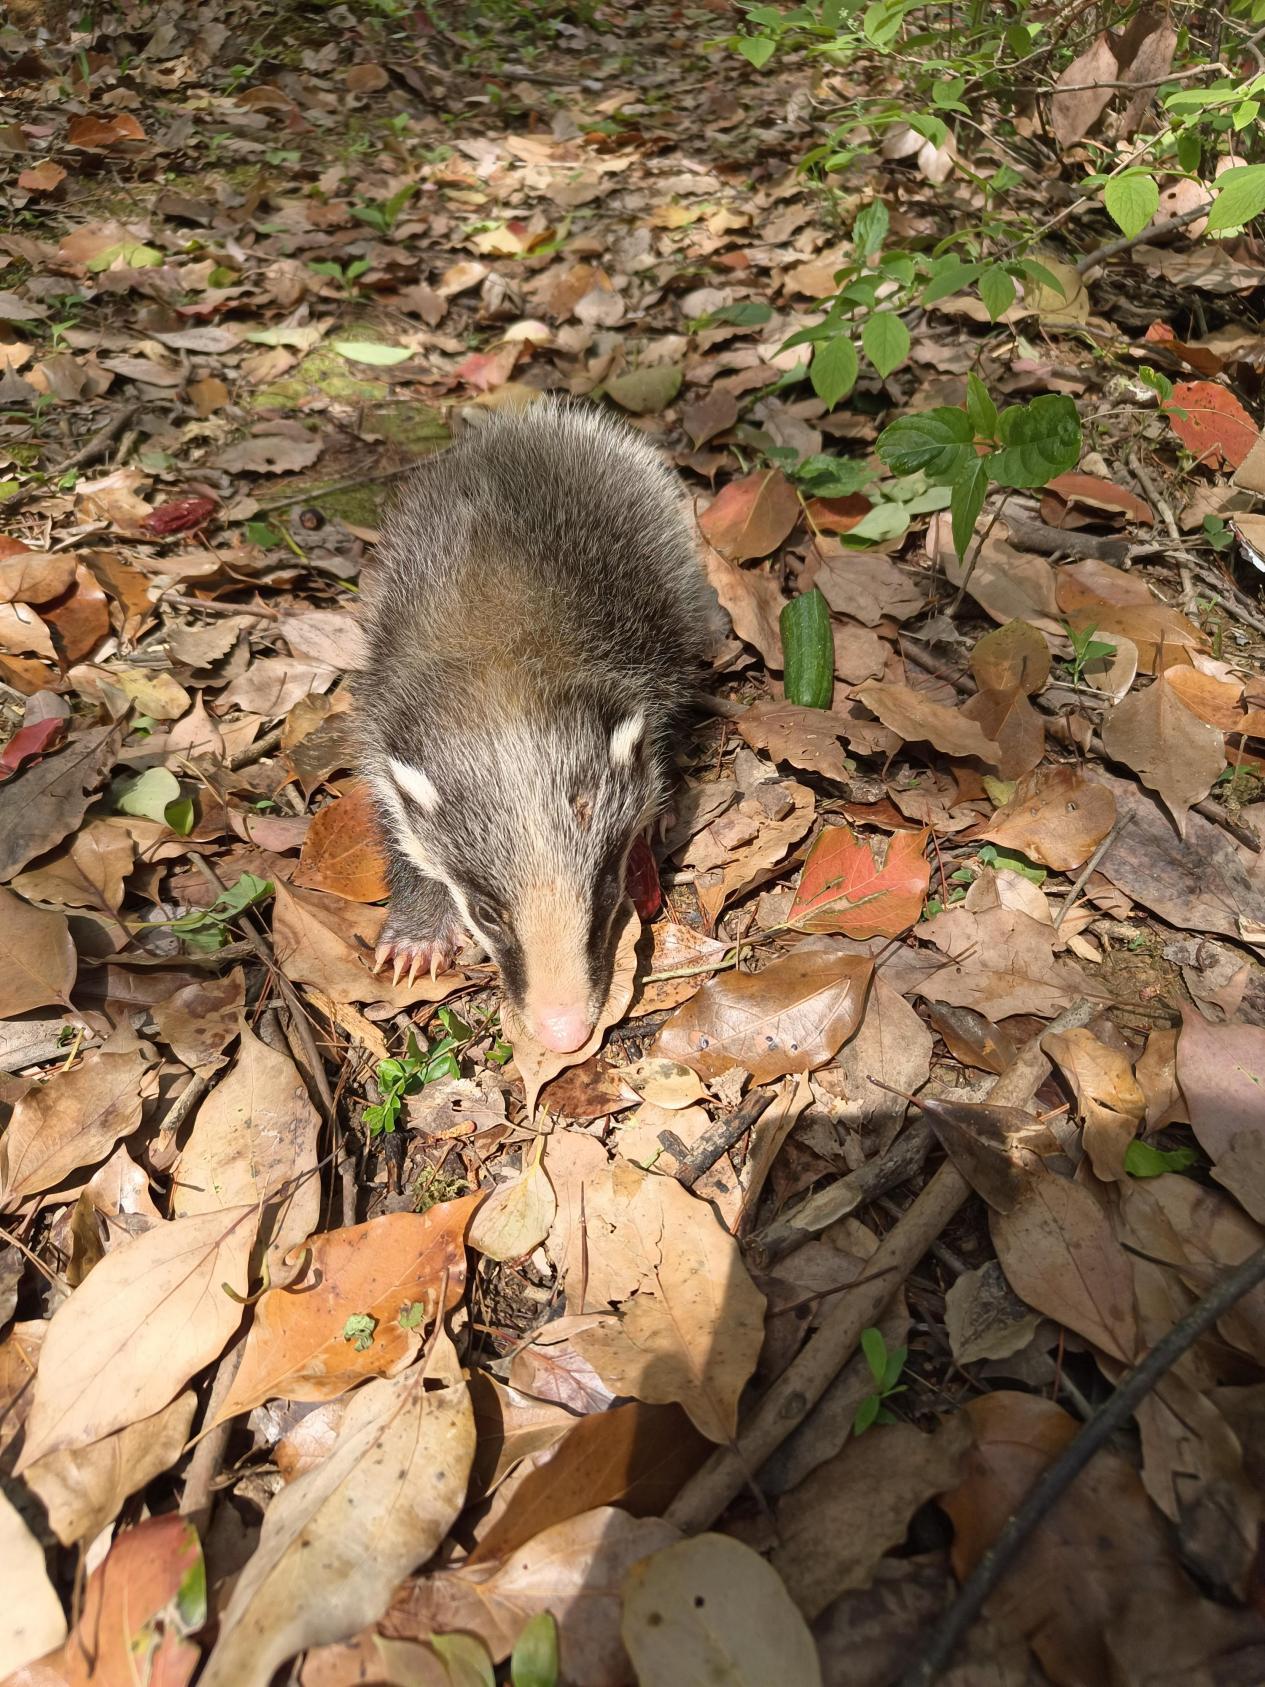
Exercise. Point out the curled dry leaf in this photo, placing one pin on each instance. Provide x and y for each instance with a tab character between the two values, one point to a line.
711	1607
767	821
1008	718
754	603
918	718
750	517
845	888
37	957
199	1020
72	1119
1057	816
298	1346
1169	748
1111	1100
338	1539
343	850
1056	1247
146	1318
792	1017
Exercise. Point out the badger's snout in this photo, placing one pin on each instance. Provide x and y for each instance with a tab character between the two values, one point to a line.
562	1029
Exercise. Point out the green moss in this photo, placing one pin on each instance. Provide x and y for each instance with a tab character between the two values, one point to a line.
328	372
416	428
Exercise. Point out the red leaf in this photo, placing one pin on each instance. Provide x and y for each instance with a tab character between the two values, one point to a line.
178	515
843	888
641	879
1215	425
1198	357
28	742
751	517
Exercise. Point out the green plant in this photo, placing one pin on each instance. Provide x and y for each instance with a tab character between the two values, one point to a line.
383	214
1085	649
1144	1159
808	676
534	1662
420	1064
967	448
359	1330
346	274
206	929
886	1369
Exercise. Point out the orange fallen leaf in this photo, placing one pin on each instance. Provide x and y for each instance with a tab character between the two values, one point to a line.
42	178
97	134
845	888
342	852
1214	425
751	517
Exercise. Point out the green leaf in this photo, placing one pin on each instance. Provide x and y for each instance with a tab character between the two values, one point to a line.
1143	1159
949	275
534	1662
833	371
149	794
881	521
997	291
895	1365
1131	202
1246	114
885	340
869	231
1039	440
645	392
866	1414
968	500
365	351
980	408
875	1350
756	49
744	313
179	815
133	253
833	477
465	1658
1240	197
1006	861
940	442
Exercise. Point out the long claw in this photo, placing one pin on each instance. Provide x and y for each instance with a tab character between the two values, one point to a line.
434	965
381	955
412	970
397	969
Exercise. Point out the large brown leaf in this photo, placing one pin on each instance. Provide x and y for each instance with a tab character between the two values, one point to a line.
750	517
1000	961
72	1119
1221	1069
1167	745
1083	91
1012	657
1056	815
329	942
343	850
147	1317
918	718
37	957
1111	1100
753	601
45	803
792	1017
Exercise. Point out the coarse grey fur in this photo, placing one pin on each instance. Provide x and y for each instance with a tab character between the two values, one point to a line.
534	624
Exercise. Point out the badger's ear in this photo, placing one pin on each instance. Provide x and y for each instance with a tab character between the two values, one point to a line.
626	740
415	784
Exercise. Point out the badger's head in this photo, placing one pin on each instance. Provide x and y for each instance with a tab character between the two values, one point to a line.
529	822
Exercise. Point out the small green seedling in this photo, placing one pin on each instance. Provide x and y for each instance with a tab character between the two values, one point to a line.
1144	1159
383	214
346	274
886	1370
206	929
358	1330
421	1064
1085	649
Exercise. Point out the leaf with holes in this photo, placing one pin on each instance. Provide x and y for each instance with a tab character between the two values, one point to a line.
845	888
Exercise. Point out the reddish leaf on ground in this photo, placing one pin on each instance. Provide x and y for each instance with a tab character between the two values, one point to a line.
845	888
1213	424
342	852
751	517
30	742
179	515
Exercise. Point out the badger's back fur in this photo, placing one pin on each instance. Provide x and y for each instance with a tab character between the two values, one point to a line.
534	624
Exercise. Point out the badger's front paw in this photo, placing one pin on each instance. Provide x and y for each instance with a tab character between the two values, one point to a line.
410	955
423	932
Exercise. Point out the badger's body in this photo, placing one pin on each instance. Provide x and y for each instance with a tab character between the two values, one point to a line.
534	625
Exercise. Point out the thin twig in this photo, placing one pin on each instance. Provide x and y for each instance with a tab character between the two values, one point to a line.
98	443
1127	242
1083	877
721	1138
313	494
1055	1480
257	751
213	606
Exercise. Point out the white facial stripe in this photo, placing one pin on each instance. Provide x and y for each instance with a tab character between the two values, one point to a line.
414	783
625	738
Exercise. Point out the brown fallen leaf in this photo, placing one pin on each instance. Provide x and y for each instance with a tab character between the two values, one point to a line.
199	1020
867	585
1111	1100
1057	816
343	850
1008	718
79	619
1009	584
692	1333
893	1045
1083	91
272	686
1217	701
32	1622
751	516
88	872
709	416
768	821
338	1539
792	1017
918	718
806	738
46	802
753	601
1012	657
1169	748
72	1119
515	1216
712	1606
329	942
37	957
1221	1070
1056	1247
297	1346
149	1316
35	576
999	960
1070	499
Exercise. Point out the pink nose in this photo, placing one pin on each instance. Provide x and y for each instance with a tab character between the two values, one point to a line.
563	1029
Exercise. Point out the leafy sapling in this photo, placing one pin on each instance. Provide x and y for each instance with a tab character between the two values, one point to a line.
886	1370
421	1064
1085	649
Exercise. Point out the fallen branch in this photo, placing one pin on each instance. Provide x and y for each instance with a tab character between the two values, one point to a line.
836	1200
1127	242
721	1137
1057	1477
789	1401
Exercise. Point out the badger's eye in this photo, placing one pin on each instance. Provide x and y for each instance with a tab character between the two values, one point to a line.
487	917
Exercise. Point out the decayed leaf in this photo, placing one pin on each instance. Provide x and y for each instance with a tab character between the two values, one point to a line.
46	802
692	1332
792	1017
1083	91
86	873
150	1315
918	717
517	1216
37	957
1000	961
891	1044
1008	718
1110	1097
343	851
254	1139
1215	426
1057	816
806	738
750	517
298	1345
711	1607
84	1488
753	601
843	888
1056	1248
70	1120
1221	1069
767	822
31	1620
199	1020
335	1542
867	586
1167	746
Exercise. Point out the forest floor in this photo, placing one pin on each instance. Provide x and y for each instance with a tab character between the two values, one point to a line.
747	1354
